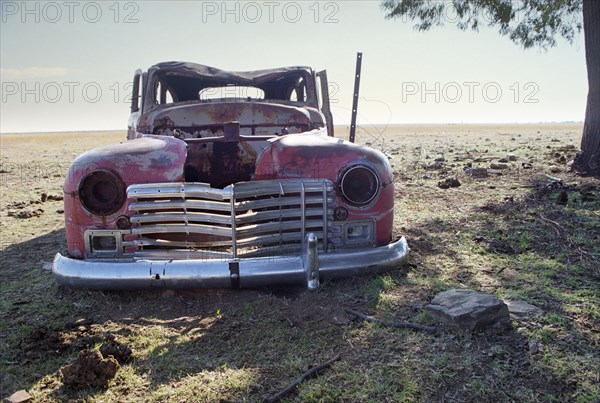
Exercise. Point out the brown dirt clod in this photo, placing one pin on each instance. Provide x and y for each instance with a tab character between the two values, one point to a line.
90	370
121	352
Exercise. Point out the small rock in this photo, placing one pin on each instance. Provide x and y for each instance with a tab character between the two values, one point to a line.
526	165
535	346
340	320
433	166
60	211
477	172
44	197
449	182
24	214
503	160
511	157
554	169
440	159
20	396
522	309
498	166
470	310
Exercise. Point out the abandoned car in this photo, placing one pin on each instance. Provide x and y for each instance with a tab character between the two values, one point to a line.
227	179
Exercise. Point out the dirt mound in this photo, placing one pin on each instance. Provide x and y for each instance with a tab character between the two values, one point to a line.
121	352
90	370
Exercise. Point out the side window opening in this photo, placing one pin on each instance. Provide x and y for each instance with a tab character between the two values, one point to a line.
298	93
162	94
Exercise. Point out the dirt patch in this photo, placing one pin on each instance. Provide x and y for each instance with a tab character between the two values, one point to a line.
24	214
90	370
42	341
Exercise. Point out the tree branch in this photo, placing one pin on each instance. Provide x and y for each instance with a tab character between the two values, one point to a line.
404	325
276	397
583	254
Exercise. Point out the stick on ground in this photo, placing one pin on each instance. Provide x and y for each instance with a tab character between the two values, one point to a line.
301	379
404	325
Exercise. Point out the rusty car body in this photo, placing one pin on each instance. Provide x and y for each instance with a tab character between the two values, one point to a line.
228	179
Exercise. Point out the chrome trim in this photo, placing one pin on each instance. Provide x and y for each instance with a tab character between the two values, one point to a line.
368	241
233	226
245	214
311	262
214	273
303	211
118	252
377	184
325	220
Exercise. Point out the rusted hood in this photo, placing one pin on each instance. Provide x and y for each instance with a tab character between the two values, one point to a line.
142	160
315	155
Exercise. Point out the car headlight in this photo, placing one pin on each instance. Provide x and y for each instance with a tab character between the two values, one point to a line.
102	192
359	185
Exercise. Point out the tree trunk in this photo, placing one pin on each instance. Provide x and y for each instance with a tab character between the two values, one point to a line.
588	159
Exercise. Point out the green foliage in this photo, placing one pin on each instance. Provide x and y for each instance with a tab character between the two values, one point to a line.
527	22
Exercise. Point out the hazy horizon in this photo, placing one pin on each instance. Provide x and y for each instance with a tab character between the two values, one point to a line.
487	124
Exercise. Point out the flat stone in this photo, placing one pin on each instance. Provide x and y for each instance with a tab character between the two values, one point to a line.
499	166
449	182
511	157
535	347
477	172
522	309
20	396
432	166
469	310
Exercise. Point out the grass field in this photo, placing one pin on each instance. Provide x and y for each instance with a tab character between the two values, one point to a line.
505	235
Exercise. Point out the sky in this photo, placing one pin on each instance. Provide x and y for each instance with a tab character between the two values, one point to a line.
68	65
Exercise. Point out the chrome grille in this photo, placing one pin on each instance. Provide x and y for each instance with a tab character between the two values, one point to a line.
249	218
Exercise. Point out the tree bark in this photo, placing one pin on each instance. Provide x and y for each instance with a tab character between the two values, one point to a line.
588	159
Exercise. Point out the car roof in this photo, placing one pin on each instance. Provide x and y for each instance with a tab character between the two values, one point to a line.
241	77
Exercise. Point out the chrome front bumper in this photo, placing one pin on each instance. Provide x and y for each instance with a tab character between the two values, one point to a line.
308	268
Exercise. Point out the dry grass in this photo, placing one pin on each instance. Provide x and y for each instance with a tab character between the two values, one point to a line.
504	234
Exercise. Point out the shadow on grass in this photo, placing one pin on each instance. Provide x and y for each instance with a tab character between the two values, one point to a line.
226	344
212	344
